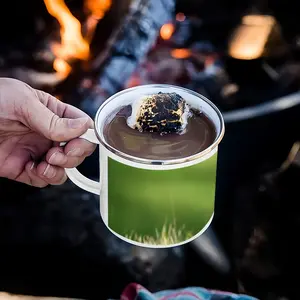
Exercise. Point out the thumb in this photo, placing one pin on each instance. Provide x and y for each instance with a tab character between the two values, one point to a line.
56	128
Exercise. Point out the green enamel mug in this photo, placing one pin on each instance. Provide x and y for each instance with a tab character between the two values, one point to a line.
153	203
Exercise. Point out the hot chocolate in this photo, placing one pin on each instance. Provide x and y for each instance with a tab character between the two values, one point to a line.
199	134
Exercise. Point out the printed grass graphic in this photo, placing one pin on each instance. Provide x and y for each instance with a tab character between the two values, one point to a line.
160	207
168	235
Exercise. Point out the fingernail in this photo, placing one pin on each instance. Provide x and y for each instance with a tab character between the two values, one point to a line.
57	158
77	123
32	165
49	172
75	152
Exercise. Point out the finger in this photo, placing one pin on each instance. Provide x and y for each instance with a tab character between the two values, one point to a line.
60	108
79	147
52	174
72	155
48	122
57	157
31	170
30	177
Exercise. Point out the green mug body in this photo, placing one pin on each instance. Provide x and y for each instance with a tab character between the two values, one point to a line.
154	203
160	207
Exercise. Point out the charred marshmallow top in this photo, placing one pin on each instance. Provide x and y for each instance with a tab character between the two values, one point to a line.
162	113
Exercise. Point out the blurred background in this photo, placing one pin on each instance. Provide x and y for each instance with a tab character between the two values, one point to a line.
245	57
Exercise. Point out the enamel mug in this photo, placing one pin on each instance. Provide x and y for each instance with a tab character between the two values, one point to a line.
153	203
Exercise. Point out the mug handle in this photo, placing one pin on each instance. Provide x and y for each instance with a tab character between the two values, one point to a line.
75	176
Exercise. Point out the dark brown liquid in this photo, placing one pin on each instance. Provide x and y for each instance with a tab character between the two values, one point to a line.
199	134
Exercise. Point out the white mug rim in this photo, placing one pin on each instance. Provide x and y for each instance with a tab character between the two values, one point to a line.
194	157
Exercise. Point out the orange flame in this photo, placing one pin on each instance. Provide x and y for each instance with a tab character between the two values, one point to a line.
167	31
62	67
73	45
96	10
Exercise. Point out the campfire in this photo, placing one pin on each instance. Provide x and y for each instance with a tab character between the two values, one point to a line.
88	57
65	35
75	40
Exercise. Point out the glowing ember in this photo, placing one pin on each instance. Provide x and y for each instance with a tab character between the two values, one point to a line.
73	45
167	31
180	53
180	17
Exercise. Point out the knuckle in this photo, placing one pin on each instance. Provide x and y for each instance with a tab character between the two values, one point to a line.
52	126
55	128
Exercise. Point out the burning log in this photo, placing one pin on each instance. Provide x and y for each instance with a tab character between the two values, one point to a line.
126	49
63	43
74	45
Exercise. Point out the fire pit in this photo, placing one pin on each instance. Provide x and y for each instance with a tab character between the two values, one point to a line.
255	88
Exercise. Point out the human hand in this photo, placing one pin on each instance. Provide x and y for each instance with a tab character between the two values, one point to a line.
32	123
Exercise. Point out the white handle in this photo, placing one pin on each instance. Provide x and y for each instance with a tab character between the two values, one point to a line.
76	177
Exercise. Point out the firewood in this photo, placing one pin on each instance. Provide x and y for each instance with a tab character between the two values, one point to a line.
126	49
